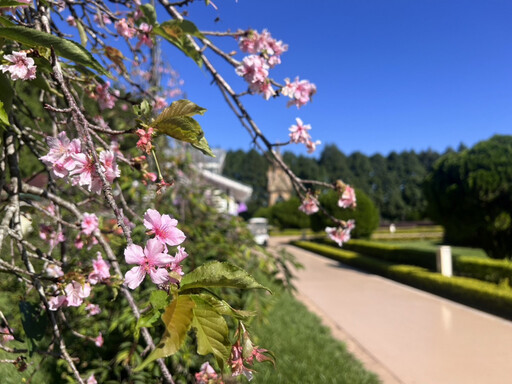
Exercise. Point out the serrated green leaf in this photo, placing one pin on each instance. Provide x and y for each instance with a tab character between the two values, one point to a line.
63	47
217	274
211	330
177	319
176	121
147	320
204	147
177	32
149	12
81	32
4	118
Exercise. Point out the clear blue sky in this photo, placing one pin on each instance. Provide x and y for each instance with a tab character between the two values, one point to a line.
391	75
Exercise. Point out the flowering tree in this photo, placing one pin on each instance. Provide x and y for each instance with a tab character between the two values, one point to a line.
85	229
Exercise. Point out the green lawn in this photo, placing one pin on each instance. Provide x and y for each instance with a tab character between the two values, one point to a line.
305	350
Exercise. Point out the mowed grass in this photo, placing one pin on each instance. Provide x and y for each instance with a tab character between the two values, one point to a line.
305	350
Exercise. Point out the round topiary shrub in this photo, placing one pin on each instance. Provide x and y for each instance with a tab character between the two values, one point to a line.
365	214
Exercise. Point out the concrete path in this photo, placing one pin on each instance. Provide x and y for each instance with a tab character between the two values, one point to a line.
403	334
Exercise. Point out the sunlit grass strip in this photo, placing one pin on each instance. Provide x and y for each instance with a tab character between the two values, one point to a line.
479	294
305	350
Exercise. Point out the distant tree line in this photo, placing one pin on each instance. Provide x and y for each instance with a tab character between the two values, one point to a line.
393	182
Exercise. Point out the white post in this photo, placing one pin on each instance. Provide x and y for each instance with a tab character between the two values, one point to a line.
444	260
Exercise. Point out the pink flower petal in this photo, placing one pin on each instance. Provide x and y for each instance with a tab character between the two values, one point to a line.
159	275
134	277
134	254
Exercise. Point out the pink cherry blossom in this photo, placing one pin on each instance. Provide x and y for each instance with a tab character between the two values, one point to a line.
101	270
22	67
71	21
348	198
149	260
60	156
109	165
99	340
92	309
160	103
300	92
89	223
144	36
338	235
56	302
53	270
175	264
76	292
264	88
299	133
163	227
125	29
309	205
84	169
254	69
311	145
91	380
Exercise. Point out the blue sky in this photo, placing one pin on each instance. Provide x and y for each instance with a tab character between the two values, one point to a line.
391	75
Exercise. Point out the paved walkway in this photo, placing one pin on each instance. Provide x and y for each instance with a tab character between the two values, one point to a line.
403	334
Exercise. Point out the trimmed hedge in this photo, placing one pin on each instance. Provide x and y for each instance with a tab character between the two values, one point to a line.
478	294
491	270
389	252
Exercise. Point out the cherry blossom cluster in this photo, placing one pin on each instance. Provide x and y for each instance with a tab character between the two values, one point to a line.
106	100
207	375
21	67
88	226
66	158
263	43
340	235
299	135
74	293
154	258
265	53
50	235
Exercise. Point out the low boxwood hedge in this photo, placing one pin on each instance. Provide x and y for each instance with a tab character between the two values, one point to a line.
491	270
476	293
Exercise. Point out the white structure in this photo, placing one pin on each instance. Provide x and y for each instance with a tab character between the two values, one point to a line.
444	260
227	195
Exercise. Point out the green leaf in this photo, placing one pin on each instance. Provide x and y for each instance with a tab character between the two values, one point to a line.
149	12
81	32
177	32
204	147
216	274
63	47
223	308
212	331
11	4
177	121
4	118
177	319
159	299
